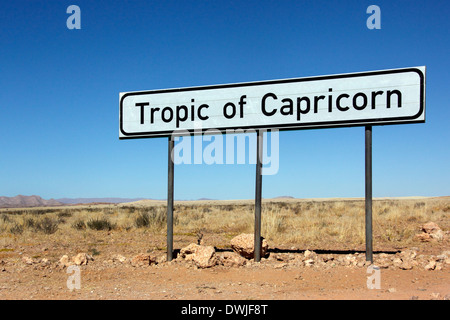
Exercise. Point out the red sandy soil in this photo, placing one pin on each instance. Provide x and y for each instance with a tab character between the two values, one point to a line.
267	280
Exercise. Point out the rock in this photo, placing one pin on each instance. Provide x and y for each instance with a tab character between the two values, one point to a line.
243	245
64	261
408	264
383	260
444	257
190	249
348	260
205	257
408	254
430	227
397	262
143	259
361	264
438	235
285	257
392	290
309	262
82	259
405	261
431	231
276	257
118	258
27	260
423	237
407	258
45	262
202	256
435	296
231	259
161	259
431	265
280	266
310	254
445	254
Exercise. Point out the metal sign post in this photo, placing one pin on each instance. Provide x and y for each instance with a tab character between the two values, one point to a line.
170	201
368	196
258	196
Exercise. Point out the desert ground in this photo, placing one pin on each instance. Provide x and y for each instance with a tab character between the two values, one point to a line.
316	251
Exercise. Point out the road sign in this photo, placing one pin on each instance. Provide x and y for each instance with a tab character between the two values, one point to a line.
353	99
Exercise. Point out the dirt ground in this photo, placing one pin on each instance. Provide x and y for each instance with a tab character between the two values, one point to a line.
29	270
169	282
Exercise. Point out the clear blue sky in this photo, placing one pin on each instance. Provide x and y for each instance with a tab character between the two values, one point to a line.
60	94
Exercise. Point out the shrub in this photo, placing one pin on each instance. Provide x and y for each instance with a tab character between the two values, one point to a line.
100	224
47	225
151	217
16	229
79	225
108	211
64	214
142	220
158	217
29	223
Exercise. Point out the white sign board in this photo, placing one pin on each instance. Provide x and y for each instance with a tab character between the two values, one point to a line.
365	98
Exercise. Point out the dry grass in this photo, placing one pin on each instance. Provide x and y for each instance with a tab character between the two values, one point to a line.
301	223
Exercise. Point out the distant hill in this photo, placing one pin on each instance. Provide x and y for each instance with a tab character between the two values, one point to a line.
284	197
97	200
21	201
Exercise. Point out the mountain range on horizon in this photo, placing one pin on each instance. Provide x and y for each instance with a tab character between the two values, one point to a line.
21	201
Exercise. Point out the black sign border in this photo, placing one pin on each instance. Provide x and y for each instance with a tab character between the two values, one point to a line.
291	126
